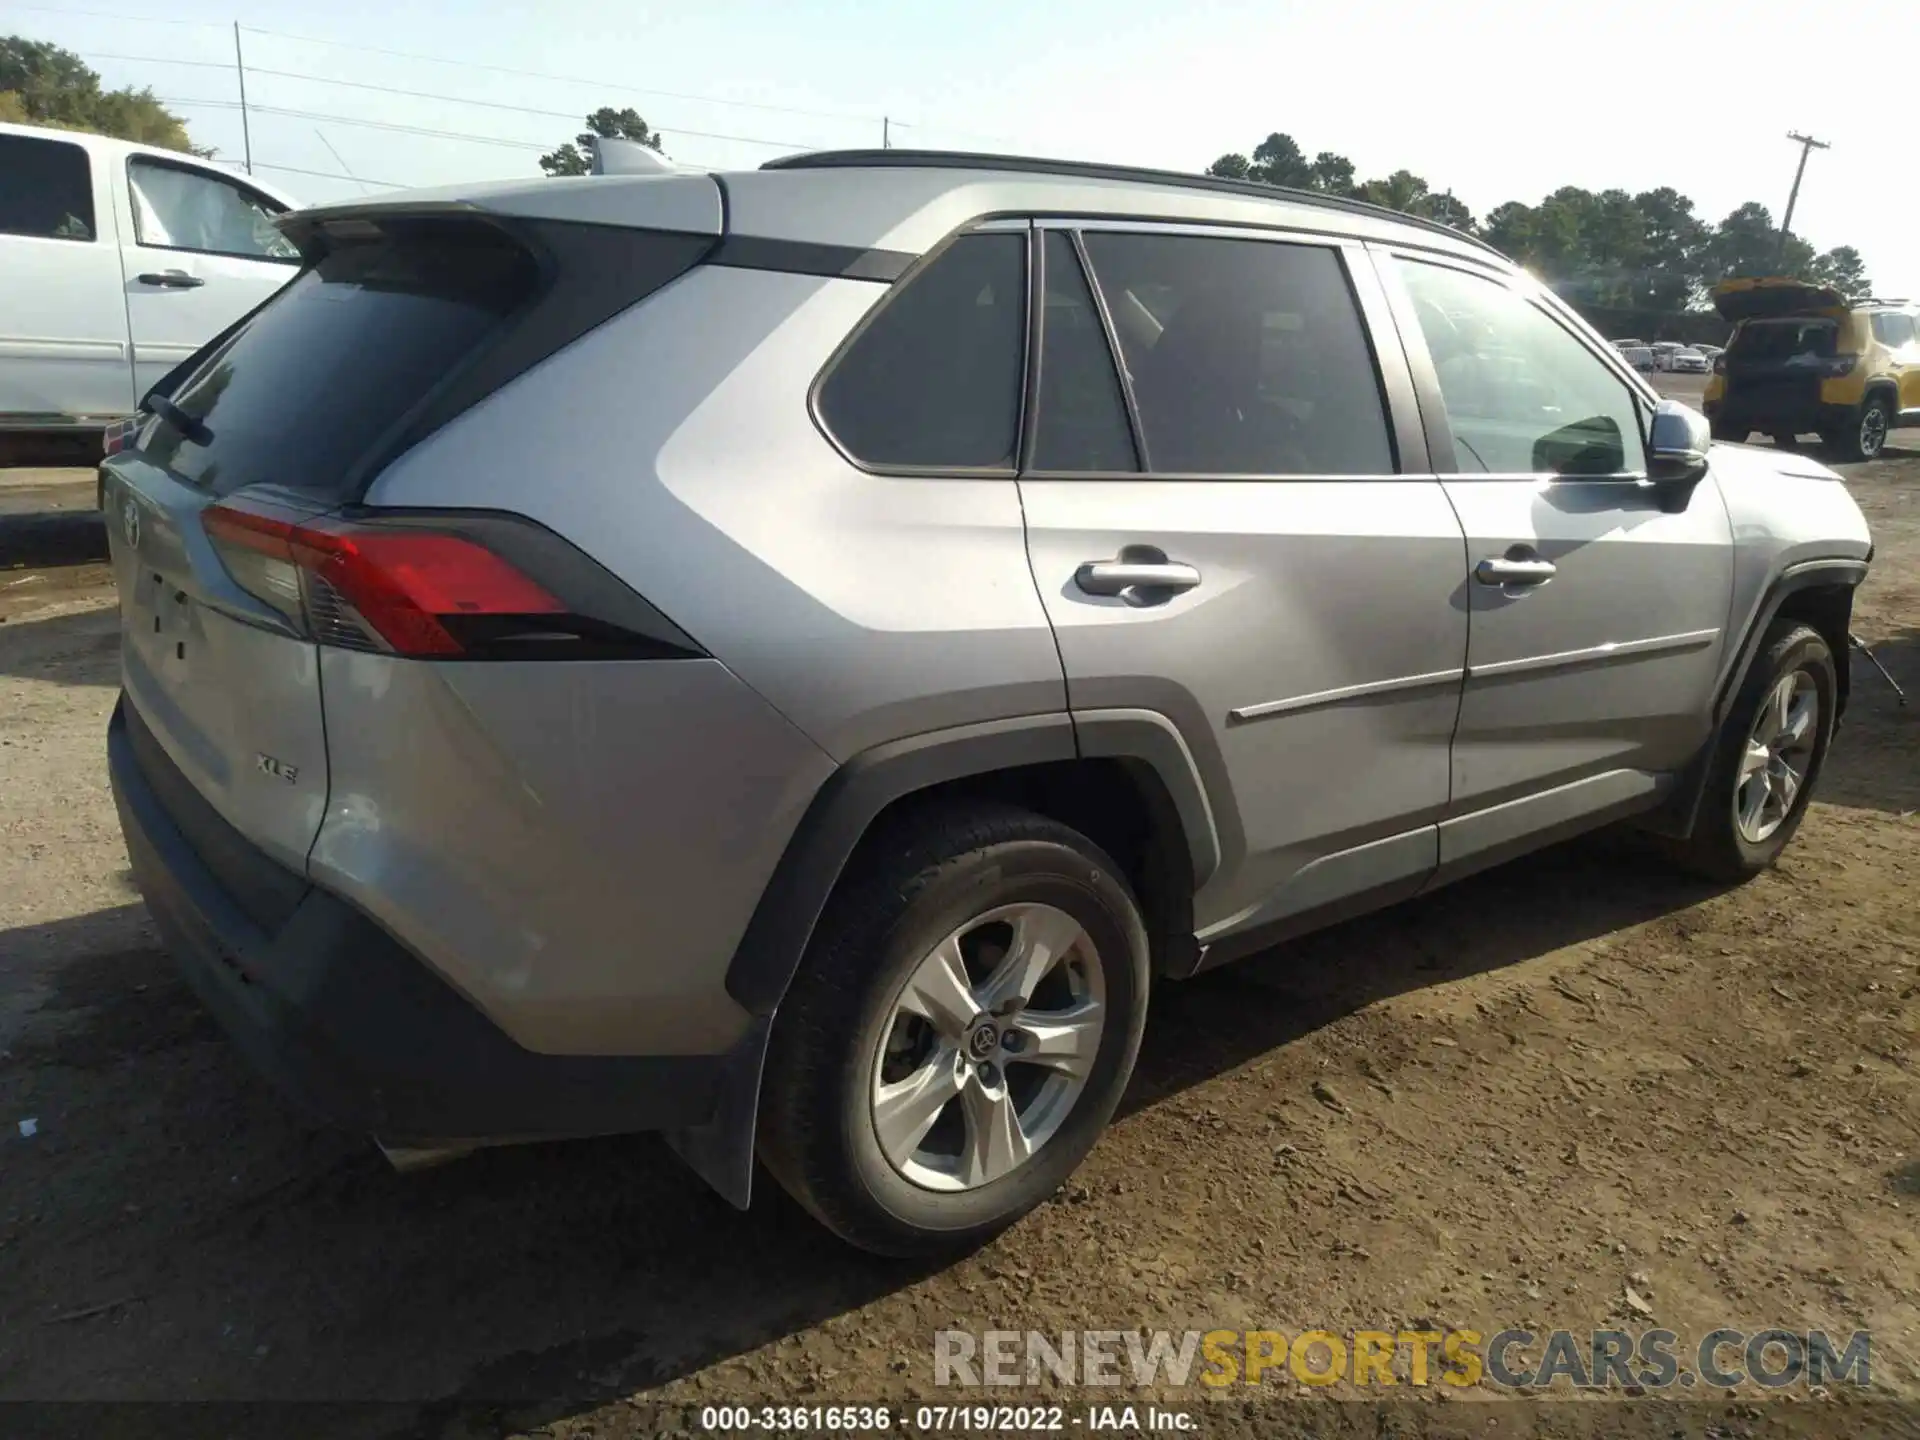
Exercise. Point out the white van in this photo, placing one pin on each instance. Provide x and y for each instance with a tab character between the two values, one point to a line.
117	261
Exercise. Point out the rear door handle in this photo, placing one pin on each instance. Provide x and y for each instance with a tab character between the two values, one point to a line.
1513	572
171	280
1128	577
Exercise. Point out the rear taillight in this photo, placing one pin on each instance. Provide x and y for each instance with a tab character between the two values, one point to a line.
405	589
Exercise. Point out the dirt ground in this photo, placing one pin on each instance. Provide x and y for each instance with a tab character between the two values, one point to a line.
1509	1104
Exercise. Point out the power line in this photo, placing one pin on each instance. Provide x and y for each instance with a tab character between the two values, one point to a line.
449	134
330	175
156	60
567	79
354	120
106	15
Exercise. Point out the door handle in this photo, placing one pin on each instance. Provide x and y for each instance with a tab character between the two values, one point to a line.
1513	572
171	280
1127	577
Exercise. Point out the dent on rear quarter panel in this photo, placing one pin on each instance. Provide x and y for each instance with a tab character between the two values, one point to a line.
575	845
674	444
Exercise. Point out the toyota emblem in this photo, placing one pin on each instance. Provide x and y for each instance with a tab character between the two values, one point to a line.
130	523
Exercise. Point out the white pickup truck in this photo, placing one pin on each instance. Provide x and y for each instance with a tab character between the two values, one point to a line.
117	261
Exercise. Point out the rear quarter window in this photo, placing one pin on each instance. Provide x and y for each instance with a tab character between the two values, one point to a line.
933	380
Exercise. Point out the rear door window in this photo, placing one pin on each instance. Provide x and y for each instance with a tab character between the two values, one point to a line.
1247	357
46	189
319	376
933	380
1082	425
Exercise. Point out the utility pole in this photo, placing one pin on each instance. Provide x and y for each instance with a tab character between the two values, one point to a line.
1807	146
240	69
886	132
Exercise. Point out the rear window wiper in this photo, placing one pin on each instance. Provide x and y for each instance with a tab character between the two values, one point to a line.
193	429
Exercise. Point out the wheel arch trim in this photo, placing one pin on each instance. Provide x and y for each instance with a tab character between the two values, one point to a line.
1676	817
721	1151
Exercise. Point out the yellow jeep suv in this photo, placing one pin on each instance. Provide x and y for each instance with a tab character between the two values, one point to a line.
1802	358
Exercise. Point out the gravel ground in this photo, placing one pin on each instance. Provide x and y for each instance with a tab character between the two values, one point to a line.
1577	1092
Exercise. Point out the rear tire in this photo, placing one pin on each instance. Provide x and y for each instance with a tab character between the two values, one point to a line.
1746	815
863	1031
1785	442
1866	436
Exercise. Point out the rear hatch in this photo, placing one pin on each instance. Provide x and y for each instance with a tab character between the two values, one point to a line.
224	508
1775	366
1770	296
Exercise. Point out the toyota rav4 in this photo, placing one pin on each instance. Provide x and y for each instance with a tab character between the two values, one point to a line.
791	658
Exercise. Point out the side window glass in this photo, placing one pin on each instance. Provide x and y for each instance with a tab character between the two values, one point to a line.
177	209
1247	357
1523	396
46	189
934	379
1083	416
1893	330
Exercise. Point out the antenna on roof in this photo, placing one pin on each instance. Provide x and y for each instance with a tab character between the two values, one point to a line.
624	157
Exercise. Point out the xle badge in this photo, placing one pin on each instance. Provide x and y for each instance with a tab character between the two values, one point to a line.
277	768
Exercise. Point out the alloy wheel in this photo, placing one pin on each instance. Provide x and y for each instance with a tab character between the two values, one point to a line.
988	1047
1873	431
1779	751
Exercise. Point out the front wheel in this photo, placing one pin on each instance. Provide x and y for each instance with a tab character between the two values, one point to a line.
1766	757
961	1029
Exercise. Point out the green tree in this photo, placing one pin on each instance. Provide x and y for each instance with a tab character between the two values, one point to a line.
1843	269
1447	210
1332	173
608	124
1279	160
1747	243
41	84
1674	240
1402	190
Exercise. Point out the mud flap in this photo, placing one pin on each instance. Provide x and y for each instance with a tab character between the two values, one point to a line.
720	1151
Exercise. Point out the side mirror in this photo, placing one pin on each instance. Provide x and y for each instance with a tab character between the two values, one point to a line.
1677	453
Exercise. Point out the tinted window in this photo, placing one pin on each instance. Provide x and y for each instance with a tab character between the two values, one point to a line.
1894	330
1247	357
179	209
935	379
46	189
1784	339
318	376
1083	416
1523	396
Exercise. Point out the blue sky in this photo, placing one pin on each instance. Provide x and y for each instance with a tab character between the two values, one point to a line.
1505	100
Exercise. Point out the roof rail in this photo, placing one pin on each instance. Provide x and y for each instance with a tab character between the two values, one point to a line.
1090	170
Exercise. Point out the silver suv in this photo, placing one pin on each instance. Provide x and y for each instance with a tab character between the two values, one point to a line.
789	658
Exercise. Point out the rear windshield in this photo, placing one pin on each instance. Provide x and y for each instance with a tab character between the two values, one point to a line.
1783	339
317	378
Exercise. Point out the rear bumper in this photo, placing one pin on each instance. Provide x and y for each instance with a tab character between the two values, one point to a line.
1798	412
348	1023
